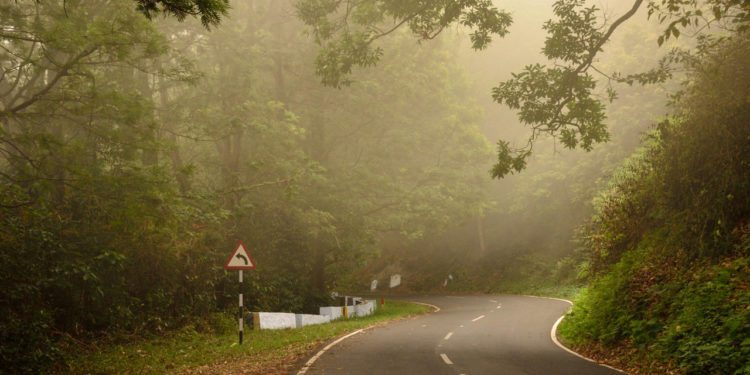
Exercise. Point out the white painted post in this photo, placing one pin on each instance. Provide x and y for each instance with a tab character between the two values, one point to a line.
240	260
241	309
345	311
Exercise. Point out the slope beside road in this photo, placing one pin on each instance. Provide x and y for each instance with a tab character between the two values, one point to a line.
469	335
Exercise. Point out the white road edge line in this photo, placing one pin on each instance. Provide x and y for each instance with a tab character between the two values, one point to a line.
477	318
553	336
556	299
426	304
448	336
446	359
312	360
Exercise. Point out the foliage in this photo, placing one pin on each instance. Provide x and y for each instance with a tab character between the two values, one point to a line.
559	100
531	224
668	244
209	11
195	348
134	154
87	227
347	30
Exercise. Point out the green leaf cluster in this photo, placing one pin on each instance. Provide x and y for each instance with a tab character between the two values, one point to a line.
348	31
559	100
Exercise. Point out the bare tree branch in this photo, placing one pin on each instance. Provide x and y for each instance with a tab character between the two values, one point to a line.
49	86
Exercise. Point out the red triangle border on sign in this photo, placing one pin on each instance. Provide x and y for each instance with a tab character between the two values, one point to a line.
231	255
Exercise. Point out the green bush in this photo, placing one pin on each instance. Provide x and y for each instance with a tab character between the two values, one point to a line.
28	343
669	241
710	331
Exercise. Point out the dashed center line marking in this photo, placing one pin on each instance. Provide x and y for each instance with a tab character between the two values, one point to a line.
499	306
492	300
448	336
446	359
477	318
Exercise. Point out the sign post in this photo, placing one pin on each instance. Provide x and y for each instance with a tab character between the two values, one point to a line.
240	260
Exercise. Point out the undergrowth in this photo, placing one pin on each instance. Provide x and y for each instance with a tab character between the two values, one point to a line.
669	246
216	343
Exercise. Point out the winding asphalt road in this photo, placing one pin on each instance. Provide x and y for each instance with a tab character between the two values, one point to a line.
470	335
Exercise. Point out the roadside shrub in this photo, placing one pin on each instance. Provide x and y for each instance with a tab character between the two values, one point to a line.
710	332
669	244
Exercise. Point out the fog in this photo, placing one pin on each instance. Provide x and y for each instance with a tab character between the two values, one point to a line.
137	152
539	147
528	236
226	132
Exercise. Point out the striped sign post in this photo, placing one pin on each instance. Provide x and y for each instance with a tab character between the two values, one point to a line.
240	260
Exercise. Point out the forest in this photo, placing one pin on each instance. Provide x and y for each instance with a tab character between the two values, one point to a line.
591	150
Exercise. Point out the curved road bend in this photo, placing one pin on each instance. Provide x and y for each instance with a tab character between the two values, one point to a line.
471	335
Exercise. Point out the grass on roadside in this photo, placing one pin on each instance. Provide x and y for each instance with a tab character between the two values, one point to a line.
542	290
189	351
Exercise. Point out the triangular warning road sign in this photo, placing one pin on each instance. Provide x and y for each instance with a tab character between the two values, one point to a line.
240	259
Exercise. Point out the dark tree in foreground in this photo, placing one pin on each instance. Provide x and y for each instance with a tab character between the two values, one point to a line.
209	11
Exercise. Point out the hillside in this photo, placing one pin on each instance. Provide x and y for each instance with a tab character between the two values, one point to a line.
669	246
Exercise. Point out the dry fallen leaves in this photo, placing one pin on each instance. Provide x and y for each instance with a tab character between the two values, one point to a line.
259	364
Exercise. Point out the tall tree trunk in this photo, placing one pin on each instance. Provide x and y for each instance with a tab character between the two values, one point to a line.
59	162
230	150
480	234
183	183
280	31
150	155
318	276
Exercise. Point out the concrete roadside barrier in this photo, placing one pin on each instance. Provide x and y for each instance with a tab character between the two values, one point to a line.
274	320
310	319
335	312
365	309
279	320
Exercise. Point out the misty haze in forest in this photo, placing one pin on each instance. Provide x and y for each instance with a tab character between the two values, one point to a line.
469	147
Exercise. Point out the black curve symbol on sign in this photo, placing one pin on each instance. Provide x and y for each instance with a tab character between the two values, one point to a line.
240	256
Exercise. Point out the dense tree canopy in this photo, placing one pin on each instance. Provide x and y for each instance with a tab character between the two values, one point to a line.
133	154
560	99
